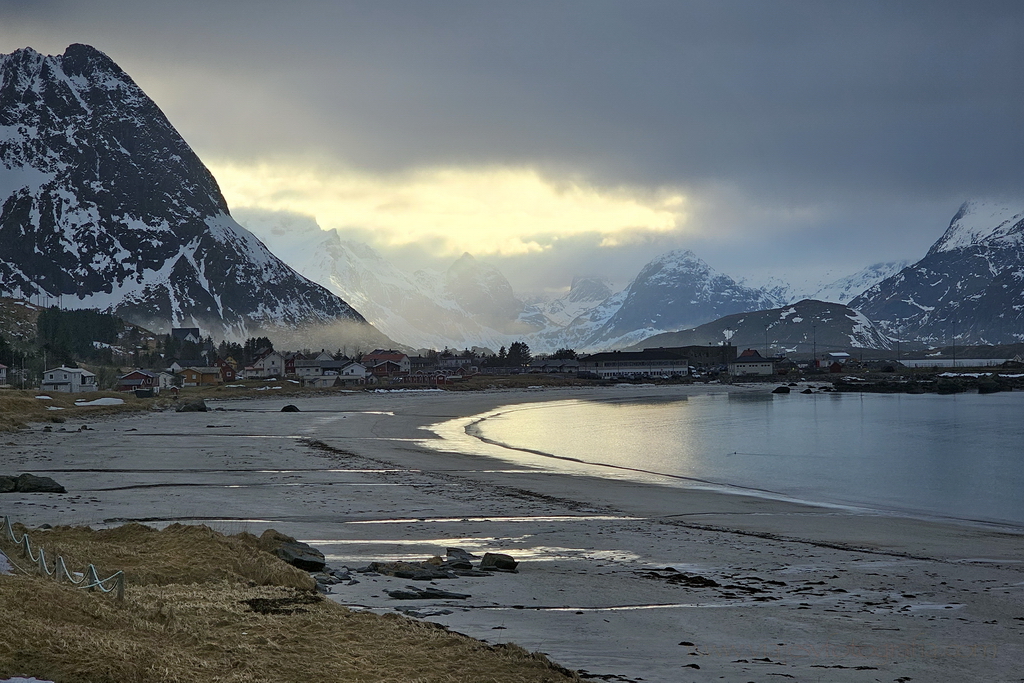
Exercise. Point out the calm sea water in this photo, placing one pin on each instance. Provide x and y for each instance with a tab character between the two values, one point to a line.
958	456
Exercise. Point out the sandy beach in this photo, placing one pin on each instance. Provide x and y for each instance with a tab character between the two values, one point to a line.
625	580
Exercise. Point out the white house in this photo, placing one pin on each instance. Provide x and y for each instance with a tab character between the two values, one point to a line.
312	366
750	363
68	380
337	373
269	365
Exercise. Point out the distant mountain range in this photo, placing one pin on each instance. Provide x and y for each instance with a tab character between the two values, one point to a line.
474	304
105	206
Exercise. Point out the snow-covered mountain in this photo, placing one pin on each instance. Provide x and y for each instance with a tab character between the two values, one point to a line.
104	204
473	304
846	289
968	288
675	291
802	327
584	294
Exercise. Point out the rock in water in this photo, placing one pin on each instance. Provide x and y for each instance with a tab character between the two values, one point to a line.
780	390
30	483
8	484
290	409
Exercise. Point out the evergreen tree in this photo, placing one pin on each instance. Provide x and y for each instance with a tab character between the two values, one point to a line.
519	354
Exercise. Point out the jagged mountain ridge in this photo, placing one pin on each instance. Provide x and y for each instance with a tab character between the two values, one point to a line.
104	204
845	289
968	288
676	290
802	327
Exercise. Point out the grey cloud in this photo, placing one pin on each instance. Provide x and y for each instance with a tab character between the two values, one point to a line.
888	113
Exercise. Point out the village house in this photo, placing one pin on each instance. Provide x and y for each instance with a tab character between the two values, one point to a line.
422	363
646	363
386	368
145	380
200	377
455	362
228	373
68	380
180	364
3	375
270	364
377	357
751	363
186	334
338	373
561	365
310	365
136	379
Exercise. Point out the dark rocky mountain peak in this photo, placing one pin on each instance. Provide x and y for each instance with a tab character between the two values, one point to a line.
967	289
103	204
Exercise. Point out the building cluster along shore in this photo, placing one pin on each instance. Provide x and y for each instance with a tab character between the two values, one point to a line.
618	579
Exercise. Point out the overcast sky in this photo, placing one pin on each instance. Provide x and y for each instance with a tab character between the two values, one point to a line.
558	138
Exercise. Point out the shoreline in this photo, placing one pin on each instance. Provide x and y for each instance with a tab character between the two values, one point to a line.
471	427
352	475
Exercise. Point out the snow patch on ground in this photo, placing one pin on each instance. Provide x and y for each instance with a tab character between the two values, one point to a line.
101	402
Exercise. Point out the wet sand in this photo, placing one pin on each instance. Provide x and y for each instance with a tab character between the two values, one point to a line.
803	593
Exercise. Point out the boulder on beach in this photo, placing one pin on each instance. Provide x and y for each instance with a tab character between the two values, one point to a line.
292	551
417	571
290	409
459	558
29	483
414	593
193	407
498	562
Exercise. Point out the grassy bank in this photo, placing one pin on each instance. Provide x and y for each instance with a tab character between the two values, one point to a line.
202	606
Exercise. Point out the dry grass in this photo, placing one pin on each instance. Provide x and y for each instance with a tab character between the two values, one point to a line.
201	626
179	553
18	408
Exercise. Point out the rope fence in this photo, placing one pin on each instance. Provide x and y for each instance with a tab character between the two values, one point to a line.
89	580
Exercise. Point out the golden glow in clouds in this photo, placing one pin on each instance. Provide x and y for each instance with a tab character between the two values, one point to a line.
493	210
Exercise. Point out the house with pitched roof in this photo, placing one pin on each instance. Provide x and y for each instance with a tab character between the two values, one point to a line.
751	363
68	380
400	363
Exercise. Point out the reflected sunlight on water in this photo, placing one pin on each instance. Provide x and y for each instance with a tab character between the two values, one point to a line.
955	456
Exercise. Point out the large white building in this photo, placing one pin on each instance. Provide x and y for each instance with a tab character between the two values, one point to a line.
646	363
